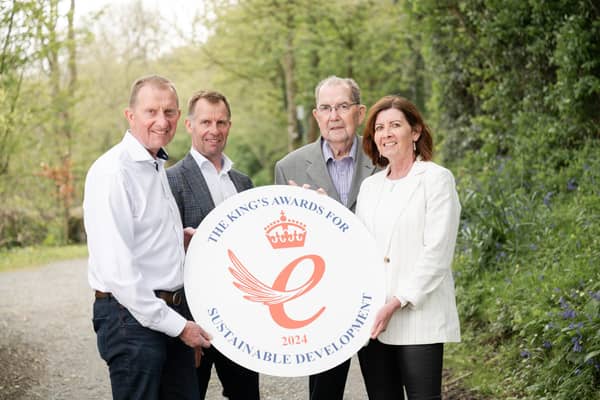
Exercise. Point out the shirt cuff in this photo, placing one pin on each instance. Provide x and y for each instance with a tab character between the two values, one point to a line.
403	301
173	324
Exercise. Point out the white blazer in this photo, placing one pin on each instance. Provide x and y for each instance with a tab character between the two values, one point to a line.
421	212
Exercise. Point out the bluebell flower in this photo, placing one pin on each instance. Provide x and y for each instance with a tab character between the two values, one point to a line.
547	344
595	295
547	198
563	302
533	247
569	314
577	348
571	184
525	354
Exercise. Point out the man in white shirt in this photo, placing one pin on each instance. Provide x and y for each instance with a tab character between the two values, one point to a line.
136	253
201	181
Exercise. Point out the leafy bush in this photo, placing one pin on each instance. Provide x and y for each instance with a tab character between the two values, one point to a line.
20	227
528	279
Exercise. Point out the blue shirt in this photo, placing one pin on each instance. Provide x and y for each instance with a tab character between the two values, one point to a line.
341	171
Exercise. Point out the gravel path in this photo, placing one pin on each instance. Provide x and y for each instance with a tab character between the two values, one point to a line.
48	347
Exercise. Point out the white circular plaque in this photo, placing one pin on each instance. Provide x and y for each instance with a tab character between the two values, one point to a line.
286	280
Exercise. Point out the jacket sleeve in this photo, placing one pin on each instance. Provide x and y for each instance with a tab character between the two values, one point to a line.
442	213
280	178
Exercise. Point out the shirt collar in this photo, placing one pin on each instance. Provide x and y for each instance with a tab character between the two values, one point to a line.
226	163
162	154
328	154
138	152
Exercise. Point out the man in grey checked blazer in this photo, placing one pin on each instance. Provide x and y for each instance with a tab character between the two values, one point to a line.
337	164
199	182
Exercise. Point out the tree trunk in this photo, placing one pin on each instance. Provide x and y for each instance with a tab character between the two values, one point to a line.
294	139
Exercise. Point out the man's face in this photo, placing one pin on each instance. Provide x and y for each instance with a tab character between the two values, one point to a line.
209	127
153	118
337	125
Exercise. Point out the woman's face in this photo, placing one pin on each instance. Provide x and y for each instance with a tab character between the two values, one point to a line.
394	136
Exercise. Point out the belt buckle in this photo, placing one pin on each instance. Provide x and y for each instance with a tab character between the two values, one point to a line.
177	297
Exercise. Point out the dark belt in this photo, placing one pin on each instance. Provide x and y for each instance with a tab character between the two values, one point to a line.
171	298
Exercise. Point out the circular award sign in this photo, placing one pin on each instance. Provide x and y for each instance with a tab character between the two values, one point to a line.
286	280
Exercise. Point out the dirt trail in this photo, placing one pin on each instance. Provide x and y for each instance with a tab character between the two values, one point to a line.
48	348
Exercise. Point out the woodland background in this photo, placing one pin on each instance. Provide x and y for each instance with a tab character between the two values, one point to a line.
511	89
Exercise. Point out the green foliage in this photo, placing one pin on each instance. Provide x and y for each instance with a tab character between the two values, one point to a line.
12	233
33	256
515	99
498	66
527	275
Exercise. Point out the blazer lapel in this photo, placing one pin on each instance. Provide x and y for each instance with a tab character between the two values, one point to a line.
316	170
405	192
238	183
363	169
197	183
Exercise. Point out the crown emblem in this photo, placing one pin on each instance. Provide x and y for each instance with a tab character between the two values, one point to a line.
284	233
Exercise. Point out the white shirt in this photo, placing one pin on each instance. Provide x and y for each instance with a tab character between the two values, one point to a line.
134	234
219	183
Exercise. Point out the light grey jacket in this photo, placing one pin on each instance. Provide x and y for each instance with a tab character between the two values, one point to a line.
306	165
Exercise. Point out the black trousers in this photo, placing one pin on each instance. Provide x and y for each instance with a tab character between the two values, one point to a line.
389	369
330	384
239	383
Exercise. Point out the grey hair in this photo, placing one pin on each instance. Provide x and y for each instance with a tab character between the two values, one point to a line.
335	80
156	81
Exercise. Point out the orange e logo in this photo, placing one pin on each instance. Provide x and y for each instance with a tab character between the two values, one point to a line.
276	296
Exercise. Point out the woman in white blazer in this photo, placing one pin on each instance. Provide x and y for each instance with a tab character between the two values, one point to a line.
412	210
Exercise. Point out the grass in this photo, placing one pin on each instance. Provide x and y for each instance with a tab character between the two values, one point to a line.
26	257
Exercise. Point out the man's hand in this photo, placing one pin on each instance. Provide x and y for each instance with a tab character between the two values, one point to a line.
198	353
307	186
187	236
194	336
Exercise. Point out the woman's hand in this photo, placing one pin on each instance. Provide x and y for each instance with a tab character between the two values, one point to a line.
383	316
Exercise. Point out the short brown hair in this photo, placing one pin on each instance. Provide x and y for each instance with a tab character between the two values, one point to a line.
425	142
210	96
153	80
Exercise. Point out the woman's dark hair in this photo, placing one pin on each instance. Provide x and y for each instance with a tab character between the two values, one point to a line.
425	142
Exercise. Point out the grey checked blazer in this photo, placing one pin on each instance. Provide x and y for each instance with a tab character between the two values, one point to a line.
307	165
191	191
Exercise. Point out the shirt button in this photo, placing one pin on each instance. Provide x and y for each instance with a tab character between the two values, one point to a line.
386	260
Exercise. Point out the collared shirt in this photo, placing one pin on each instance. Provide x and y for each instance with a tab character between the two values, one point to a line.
341	171
134	234
219	183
